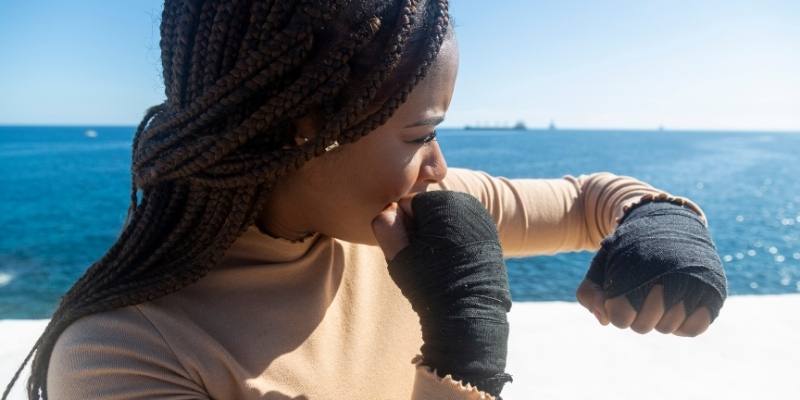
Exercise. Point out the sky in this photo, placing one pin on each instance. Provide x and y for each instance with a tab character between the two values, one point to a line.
715	65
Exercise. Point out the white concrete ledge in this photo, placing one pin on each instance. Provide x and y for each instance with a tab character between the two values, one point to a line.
557	350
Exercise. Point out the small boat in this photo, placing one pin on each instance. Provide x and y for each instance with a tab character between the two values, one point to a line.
90	133
519	126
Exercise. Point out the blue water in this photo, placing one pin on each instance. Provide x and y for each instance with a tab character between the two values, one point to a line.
64	197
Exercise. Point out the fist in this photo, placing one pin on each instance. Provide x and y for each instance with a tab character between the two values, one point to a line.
619	311
391	225
658	269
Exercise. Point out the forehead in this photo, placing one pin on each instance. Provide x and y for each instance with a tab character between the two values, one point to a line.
431	96
446	62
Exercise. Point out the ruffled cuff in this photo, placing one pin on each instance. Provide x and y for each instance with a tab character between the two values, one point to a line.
661	196
429	385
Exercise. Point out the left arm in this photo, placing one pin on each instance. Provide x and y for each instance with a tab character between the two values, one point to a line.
549	216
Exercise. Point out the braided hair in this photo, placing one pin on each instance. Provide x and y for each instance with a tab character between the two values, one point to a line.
237	74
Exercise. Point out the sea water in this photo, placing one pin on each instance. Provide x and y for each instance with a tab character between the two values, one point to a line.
64	192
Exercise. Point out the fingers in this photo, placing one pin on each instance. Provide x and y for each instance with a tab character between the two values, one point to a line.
696	324
620	312
652	315
405	205
390	231
651	312
590	295
672	320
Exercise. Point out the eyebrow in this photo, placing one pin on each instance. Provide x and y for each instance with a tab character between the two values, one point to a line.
427	121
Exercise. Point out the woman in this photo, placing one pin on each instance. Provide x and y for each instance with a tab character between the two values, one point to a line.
264	215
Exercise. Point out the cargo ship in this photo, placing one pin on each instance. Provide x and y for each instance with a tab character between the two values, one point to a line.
519	126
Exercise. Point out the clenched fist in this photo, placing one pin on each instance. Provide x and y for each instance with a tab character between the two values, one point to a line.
658	270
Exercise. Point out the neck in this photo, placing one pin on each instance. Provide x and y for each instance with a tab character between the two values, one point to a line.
293	236
280	218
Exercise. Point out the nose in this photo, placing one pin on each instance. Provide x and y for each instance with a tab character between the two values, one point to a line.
434	167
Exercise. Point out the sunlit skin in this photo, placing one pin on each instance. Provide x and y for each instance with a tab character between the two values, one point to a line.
360	192
619	312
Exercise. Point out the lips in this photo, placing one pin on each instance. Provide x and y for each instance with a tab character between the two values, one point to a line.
409	195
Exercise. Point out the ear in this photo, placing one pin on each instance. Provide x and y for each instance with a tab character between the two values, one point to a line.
306	128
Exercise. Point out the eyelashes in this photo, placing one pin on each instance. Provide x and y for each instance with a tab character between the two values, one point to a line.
427	139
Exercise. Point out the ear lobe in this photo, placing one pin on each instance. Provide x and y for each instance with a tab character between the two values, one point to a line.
301	140
305	129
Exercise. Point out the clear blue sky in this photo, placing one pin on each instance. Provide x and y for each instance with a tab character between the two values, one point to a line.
603	64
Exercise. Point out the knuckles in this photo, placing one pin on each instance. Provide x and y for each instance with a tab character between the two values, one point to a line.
641	329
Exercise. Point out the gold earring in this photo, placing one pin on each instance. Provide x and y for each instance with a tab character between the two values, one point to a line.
332	146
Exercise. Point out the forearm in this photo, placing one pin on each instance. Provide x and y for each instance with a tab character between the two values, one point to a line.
537	216
453	274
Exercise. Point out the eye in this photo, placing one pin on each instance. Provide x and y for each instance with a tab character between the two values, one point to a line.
427	139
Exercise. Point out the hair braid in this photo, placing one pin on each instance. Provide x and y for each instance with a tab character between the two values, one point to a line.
222	34
351	111
186	27
233	42
132	217
236	74
256	58
208	11
101	274
296	96
226	94
167	42
257	55
379	118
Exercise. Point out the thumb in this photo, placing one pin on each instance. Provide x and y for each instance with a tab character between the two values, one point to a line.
591	296
405	206
390	232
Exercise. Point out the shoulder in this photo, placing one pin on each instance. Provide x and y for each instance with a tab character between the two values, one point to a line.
118	328
116	351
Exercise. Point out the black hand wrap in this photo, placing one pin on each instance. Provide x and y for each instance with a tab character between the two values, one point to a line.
453	274
661	243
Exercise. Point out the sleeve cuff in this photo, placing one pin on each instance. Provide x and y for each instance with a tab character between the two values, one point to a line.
430	386
662	196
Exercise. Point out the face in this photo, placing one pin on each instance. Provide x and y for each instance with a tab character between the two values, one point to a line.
339	193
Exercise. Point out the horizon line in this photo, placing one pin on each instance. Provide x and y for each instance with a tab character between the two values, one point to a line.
462	127
648	129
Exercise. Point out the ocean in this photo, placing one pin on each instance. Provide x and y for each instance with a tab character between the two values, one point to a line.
65	193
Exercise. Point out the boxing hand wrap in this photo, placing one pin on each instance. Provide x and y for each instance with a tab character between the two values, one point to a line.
661	243
454	275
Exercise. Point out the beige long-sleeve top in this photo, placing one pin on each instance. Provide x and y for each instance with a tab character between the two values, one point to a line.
320	318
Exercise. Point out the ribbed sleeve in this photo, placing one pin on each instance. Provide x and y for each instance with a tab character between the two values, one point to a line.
554	215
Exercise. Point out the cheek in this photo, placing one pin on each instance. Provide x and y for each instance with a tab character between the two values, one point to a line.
389	179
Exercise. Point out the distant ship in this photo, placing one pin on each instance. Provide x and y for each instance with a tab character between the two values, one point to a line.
90	133
552	126
519	126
